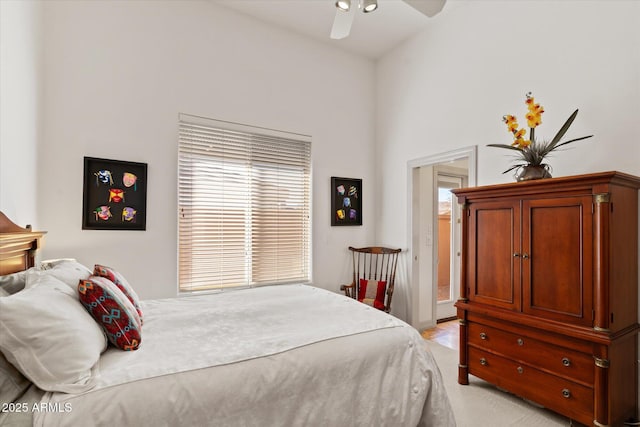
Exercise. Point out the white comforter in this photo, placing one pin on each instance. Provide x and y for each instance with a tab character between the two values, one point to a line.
272	356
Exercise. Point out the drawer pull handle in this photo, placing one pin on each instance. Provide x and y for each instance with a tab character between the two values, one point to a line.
520	342
520	369
483	336
566	361
516	254
483	361
525	255
566	393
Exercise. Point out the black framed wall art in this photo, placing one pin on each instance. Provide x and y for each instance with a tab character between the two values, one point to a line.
114	195
346	201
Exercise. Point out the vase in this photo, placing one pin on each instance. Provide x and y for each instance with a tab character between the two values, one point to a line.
529	172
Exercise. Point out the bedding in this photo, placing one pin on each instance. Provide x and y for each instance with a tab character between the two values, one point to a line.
283	355
67	270
12	283
47	334
12	383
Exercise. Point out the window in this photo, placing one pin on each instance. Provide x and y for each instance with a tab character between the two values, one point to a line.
244	205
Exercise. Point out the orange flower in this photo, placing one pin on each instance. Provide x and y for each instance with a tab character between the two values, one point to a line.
519	134
529	96
533	120
534	116
508	118
536	108
521	143
512	123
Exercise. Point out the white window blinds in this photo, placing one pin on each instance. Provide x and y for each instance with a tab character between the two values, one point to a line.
244	205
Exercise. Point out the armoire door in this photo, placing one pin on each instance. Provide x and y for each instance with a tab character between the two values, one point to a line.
494	242
557	252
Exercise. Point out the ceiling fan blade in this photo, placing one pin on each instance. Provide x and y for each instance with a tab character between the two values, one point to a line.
342	23
427	7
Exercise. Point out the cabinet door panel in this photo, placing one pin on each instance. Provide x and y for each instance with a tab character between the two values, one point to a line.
494	235
557	259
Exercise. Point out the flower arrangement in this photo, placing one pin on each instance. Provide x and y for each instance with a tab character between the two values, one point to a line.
532	152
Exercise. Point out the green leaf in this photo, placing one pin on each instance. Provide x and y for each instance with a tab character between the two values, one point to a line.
510	147
563	130
513	167
572	140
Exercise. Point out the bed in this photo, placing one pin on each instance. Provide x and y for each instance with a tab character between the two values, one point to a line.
284	355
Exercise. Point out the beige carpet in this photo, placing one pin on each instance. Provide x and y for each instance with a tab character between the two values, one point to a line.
480	404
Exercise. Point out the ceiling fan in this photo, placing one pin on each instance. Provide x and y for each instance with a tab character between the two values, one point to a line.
346	12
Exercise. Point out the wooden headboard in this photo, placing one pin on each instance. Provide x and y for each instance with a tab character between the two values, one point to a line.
17	246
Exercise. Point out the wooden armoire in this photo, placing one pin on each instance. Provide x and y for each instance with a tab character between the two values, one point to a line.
548	305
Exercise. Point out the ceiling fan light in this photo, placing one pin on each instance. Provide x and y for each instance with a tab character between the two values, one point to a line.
369	5
343	5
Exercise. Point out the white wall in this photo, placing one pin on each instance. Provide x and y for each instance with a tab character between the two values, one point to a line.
449	86
118	73
20	104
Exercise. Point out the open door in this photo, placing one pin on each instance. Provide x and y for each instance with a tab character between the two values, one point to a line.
447	255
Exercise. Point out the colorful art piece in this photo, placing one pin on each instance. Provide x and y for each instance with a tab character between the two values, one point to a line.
346	201
108	185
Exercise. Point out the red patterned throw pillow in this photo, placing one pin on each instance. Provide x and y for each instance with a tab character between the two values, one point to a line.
372	292
112	310
120	282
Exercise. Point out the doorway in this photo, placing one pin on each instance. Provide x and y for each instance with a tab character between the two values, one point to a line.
447	240
426	176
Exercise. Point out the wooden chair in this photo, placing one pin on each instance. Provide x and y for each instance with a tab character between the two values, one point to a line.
374	274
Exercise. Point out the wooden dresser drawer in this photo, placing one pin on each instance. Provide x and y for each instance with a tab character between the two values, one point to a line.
564	362
555	393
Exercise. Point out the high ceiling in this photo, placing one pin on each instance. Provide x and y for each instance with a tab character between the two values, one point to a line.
372	34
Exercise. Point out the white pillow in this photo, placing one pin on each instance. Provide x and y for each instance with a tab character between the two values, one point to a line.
14	282
47	334
12	383
69	271
49	263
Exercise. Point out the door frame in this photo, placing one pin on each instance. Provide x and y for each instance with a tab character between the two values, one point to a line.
423	316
